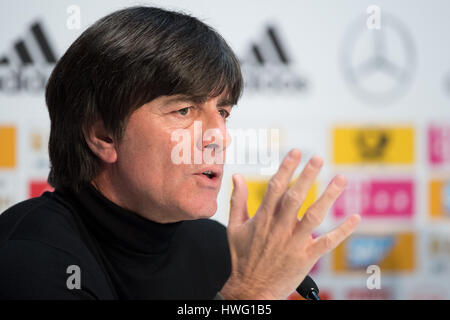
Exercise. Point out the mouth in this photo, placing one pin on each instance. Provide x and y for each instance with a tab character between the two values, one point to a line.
210	174
209	177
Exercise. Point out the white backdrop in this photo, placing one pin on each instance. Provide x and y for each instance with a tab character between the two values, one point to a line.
334	81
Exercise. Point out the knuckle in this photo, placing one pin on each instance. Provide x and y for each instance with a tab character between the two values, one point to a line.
286	164
293	198
234	201
275	185
233	205
342	233
312	218
329	243
333	191
263	209
330	194
311	171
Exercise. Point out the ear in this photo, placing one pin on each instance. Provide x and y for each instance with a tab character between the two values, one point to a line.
100	142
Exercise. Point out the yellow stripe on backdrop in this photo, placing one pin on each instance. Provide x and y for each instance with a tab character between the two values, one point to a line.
438	198
257	189
378	145
397	256
7	147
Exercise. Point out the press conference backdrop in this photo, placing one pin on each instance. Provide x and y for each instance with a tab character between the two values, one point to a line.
366	87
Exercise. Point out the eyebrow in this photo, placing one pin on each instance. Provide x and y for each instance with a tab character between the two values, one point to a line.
225	103
222	102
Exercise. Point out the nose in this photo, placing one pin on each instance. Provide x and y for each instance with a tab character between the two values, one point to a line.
214	133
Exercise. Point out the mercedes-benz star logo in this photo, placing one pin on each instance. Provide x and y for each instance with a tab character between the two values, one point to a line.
378	64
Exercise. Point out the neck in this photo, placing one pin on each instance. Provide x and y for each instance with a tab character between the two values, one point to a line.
116	227
124	197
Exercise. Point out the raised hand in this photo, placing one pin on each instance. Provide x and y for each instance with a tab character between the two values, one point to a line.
273	251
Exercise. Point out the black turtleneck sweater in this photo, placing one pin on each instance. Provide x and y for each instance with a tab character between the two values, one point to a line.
120	254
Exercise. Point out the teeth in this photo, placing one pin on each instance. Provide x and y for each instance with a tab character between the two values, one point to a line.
208	173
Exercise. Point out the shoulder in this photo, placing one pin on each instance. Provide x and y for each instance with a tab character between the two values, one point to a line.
35	270
39	241
46	219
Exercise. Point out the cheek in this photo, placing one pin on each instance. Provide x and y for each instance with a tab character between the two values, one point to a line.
144	154
149	157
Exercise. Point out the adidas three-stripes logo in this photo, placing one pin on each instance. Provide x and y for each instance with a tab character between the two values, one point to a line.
268	68
34	48
269	50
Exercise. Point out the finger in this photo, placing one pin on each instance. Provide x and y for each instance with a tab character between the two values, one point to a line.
293	198
238	202
332	239
280	181
317	211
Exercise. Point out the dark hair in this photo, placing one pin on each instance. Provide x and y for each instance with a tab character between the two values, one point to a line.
121	62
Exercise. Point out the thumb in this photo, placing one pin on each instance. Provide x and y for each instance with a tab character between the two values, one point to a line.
238	202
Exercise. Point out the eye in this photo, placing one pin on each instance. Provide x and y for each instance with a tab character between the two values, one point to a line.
224	113
184	111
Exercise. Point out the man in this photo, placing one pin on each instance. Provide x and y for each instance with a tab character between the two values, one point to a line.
128	222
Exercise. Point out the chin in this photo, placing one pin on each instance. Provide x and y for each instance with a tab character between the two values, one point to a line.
199	209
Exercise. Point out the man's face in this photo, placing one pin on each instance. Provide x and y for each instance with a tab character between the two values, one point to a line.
148	172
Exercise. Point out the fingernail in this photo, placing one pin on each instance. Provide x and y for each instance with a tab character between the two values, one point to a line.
294	153
340	181
316	162
356	219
